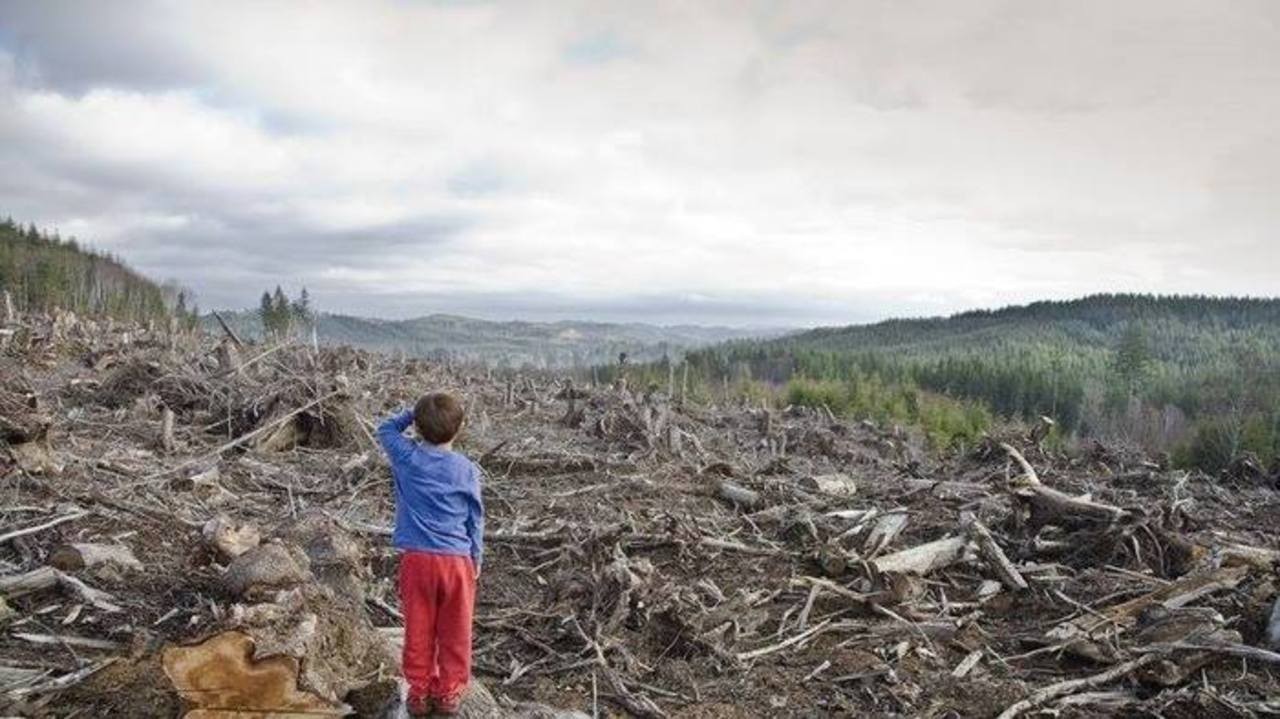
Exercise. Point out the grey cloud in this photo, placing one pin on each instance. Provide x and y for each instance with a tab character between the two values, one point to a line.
75	46
724	163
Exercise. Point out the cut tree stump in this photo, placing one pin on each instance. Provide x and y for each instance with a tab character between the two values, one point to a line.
228	539
221	679
835	485
266	568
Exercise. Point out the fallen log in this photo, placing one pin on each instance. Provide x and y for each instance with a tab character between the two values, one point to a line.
167	442
1051	506
1079	635
49	577
925	558
1243	554
246	437
883	531
73	557
70	516
231	335
68	640
1042	696
994	555
1273	626
738	495
1185	625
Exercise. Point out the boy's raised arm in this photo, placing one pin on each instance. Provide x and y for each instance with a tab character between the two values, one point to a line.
391	435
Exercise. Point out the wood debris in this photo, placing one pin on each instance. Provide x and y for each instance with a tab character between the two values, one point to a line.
202	525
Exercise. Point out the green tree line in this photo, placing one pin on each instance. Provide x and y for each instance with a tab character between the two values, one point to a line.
42	271
282	317
1196	377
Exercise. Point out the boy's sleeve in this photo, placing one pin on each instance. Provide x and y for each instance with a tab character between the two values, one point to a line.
391	436
475	520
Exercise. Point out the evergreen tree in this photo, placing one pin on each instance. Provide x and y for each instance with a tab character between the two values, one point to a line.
1133	359
302	309
281	313
266	313
45	271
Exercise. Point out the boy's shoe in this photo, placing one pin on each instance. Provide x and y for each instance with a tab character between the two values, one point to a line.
419	706
449	707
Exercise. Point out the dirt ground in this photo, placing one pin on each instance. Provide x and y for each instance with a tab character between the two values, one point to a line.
643	557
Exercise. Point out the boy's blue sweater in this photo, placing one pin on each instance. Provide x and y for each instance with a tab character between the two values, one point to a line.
438	504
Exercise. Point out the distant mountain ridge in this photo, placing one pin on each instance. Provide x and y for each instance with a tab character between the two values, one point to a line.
516	343
1092	363
1095	321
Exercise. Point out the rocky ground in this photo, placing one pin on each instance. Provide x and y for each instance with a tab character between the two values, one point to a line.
191	524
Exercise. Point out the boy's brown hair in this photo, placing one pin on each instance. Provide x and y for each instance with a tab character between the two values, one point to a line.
438	417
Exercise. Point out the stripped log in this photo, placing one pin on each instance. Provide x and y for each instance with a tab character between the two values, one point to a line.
1047	694
166	431
994	555
883	531
1051	506
73	557
739	495
1273	626
1087	635
925	558
48	577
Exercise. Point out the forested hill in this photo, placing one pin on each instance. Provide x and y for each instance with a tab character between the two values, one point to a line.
41	271
1097	321
506	344
1166	372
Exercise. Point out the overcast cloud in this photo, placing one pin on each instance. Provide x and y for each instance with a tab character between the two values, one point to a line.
732	162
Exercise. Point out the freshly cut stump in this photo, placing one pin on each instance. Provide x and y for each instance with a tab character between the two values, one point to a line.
220	679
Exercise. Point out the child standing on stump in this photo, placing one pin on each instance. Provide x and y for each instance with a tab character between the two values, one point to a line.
439	534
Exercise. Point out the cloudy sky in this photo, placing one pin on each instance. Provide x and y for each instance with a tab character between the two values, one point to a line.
736	162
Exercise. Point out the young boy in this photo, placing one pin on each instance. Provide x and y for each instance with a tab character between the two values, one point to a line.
439	534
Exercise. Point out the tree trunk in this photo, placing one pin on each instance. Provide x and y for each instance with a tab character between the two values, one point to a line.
741	496
925	558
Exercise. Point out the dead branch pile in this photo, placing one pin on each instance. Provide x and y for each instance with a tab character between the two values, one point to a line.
203	526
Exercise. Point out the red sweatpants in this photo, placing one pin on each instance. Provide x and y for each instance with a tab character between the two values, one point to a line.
437	597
